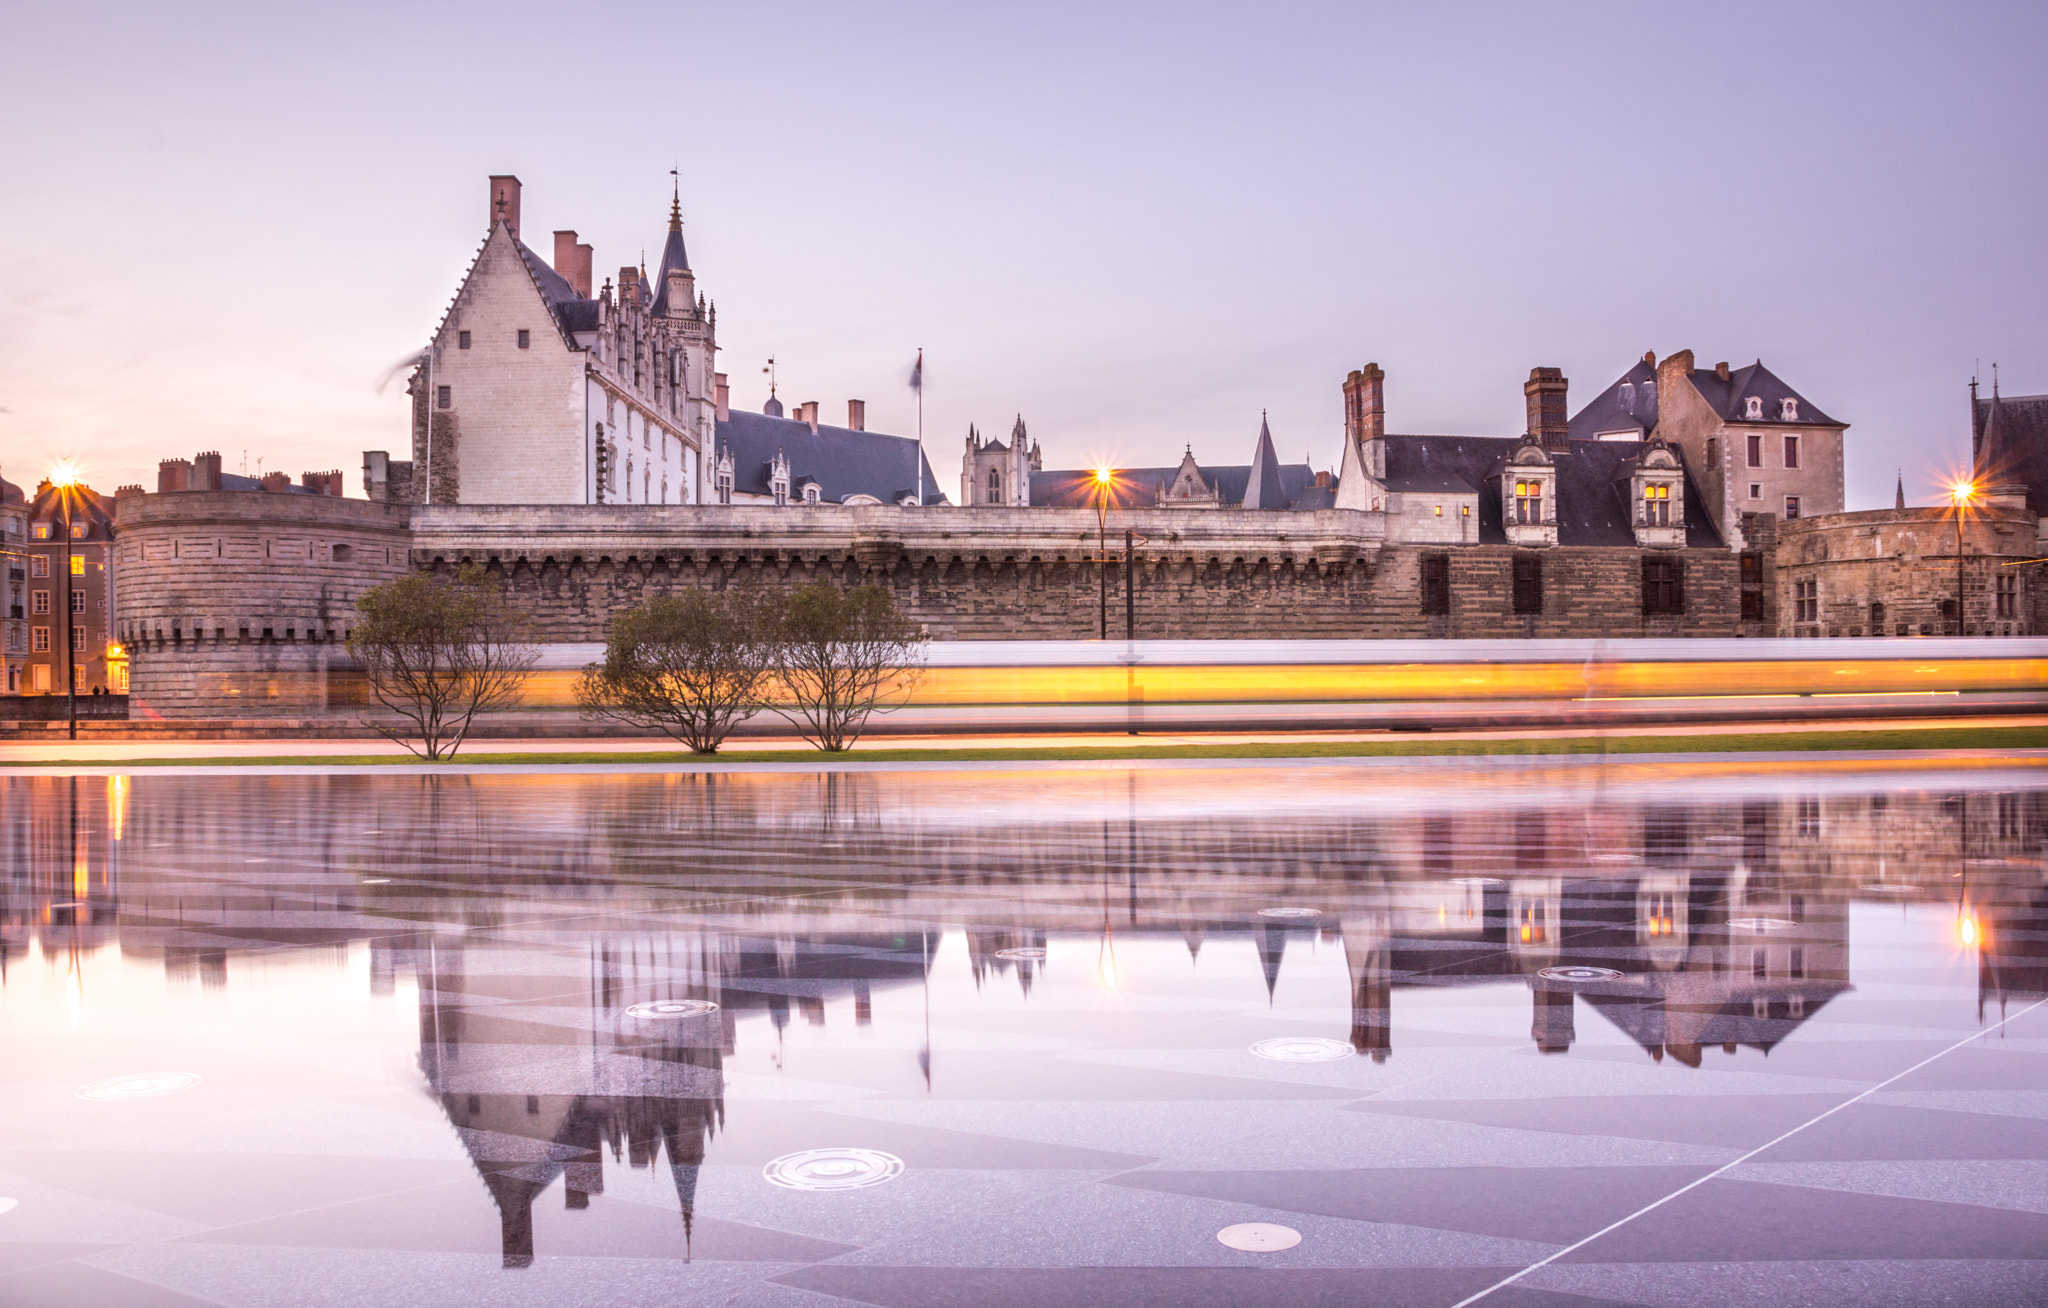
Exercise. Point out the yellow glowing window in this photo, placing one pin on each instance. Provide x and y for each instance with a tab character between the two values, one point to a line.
1439	510
1656	492
78	565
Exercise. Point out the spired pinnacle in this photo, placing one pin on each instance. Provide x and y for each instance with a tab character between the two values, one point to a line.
675	208
1901	501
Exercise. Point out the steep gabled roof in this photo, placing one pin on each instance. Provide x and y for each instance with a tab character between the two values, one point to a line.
1729	398
843	462
2011	445
1262	483
1628	404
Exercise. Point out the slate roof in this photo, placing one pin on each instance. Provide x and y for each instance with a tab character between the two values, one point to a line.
1262	485
11	493
572	312
842	461
2010	440
1591	510
1616	409
1074	488
672	256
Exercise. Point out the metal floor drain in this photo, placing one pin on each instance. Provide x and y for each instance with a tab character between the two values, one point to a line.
671	1008
1259	1237
138	1085
1579	974
1290	912
1303	1049
833	1169
1760	924
1026	953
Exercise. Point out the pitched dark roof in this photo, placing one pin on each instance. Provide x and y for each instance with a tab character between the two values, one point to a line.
11	493
1074	488
1590	510
1262	484
1629	404
672	256
842	461
572	312
2010	444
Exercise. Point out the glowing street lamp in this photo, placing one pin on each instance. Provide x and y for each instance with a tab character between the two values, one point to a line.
1961	495
1105	481
64	480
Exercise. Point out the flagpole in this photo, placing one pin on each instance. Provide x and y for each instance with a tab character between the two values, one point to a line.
918	373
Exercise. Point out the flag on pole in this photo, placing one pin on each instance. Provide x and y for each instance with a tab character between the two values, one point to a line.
917	373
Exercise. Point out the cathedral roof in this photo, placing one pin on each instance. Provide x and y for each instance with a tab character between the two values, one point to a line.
2011	445
843	462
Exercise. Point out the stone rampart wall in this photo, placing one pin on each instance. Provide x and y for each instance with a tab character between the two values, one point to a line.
1896	569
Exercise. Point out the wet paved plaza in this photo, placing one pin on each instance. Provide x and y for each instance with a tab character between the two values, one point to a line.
1688	1033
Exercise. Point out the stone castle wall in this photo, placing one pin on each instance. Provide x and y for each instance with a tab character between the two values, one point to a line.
1892	572
234	603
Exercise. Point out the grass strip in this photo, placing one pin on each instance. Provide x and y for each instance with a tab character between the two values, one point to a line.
1926	738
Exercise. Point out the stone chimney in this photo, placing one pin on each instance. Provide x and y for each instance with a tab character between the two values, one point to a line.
721	396
128	492
1549	423
1365	404
565	257
324	483
581	281
206	471
276	483
629	286
1721	370
505	201
1650	357
857	414
807	413
173	475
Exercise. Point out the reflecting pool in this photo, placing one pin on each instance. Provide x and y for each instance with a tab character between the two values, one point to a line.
1384	1031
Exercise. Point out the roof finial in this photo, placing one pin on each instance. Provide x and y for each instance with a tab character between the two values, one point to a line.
1994	379
1900	502
770	370
675	208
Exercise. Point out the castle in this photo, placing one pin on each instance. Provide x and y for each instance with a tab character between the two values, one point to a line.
581	444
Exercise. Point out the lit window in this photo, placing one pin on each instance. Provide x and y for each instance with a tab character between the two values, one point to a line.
1656	506
78	565
1439	510
45	531
80	530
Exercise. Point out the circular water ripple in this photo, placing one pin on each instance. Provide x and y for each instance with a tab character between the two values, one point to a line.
1303	1049
1290	912
833	1169
1760	924
1259	1237
1579	974
656	1009
1027	953
138	1085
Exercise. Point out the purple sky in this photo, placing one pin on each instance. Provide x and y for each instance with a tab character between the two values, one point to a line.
1138	226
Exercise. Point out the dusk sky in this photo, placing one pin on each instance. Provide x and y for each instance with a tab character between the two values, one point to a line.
1138	226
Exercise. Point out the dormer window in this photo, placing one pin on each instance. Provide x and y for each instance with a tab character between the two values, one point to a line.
811	493
1529	502
725	487
1788	410
1755	407
1656	505
1628	397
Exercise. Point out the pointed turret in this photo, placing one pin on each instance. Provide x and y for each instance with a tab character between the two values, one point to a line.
675	286
1263	489
2000	462
1899	499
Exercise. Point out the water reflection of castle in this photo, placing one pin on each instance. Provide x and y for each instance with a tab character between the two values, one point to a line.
1728	920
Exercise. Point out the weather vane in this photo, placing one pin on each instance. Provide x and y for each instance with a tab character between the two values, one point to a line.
770	370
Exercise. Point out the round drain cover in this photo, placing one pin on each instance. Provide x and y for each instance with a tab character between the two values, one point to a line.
833	1169
1477	881
138	1085
1579	974
1027	953
1303	1049
1259	1237
660	1008
1761	924
1290	912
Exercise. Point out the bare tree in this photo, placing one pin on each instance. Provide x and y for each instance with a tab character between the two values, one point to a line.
438	651
694	665
844	653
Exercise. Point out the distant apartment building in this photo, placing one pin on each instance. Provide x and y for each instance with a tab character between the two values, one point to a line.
44	581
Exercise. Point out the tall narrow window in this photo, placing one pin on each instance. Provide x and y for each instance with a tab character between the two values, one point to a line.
462	340
1663	586
39	601
442	399
995	486
1876	618
1756	450
1656	506
1528	583
1791	451
525	338
1529	502
2008	597
1436	584
1713	451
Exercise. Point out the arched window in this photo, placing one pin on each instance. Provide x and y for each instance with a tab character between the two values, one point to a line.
995	486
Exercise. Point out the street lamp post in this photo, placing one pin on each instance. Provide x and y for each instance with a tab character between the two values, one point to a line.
1103	479
63	479
1962	493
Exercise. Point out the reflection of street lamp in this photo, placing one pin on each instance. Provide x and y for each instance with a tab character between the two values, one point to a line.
1104	481
63	478
1960	494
